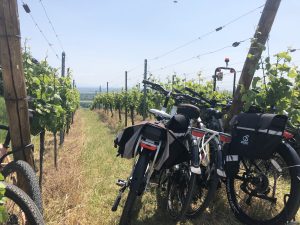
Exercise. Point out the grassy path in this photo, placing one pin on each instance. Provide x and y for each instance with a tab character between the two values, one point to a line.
102	168
83	189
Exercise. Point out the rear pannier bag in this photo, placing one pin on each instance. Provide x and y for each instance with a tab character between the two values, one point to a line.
171	152
256	135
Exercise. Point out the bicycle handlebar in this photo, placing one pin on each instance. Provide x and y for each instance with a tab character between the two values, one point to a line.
198	95
156	87
3	127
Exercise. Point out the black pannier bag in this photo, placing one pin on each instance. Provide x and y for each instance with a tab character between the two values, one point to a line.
129	136
231	161
178	124
178	153
256	135
172	150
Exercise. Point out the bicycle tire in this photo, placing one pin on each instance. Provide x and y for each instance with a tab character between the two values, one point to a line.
32	213
291	207
30	178
211	187
138	173
189	195
186	198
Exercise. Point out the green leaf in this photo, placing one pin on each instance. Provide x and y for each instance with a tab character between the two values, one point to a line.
254	82
292	73
284	55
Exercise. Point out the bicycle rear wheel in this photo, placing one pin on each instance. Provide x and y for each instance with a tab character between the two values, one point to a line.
19	207
266	192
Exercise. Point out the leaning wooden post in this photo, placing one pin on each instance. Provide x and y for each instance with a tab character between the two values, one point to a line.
260	37
13	79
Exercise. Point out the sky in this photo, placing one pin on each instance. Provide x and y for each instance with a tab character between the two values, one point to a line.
103	39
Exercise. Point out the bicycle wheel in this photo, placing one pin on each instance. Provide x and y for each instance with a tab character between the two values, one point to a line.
24	170
266	192
19	208
180	189
138	176
206	183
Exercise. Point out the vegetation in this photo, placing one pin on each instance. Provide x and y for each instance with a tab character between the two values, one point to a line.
133	99
277	92
3	213
52	98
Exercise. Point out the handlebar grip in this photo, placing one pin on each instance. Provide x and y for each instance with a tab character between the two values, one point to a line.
3	127
148	82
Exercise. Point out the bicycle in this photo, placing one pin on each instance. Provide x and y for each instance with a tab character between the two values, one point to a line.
11	170
151	152
258	180
19	207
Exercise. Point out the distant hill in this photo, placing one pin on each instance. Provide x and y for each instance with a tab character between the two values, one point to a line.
94	89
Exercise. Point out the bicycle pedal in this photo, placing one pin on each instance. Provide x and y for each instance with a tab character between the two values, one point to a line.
121	183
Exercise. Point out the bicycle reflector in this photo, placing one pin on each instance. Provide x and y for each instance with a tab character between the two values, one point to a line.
225	138
287	135
148	146
198	133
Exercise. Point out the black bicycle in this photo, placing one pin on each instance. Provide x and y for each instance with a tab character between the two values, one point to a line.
263	190
166	146
18	207
14	170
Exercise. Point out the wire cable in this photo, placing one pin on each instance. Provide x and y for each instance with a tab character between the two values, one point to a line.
206	34
233	45
51	24
28	11
198	38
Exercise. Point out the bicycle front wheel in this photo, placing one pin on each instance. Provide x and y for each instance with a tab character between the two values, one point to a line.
266	192
139	177
19	208
21	168
180	189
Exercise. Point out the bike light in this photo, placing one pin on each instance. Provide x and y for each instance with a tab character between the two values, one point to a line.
225	138
287	135
198	133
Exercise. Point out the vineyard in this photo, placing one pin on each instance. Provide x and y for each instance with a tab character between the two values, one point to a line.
184	140
275	91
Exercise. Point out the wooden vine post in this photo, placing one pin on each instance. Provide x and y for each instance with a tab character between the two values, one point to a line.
260	38
63	63
14	82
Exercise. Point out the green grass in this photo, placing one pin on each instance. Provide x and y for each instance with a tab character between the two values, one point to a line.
3	118
103	168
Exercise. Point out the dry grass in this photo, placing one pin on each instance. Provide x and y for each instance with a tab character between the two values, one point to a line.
63	195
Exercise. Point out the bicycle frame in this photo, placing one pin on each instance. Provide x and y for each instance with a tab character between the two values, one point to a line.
217	136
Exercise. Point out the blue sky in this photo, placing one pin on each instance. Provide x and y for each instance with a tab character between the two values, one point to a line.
102	39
